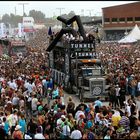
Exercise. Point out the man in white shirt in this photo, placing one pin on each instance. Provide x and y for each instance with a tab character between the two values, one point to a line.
117	101
13	120
107	136
12	84
43	81
65	130
34	103
28	86
76	134
39	135
78	113
128	108
15	100
60	121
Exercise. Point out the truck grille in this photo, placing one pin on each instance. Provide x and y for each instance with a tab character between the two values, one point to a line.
97	87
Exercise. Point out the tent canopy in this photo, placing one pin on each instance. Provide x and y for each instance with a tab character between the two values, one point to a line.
133	36
135	33
127	40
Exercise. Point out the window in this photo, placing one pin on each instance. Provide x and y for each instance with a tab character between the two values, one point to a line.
129	19
87	72
107	20
122	19
137	18
114	19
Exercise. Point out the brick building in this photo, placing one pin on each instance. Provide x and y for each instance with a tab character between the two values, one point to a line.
118	20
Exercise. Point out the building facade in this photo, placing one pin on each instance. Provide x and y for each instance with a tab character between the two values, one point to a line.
119	20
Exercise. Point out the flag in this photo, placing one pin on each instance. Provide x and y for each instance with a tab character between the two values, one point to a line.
50	31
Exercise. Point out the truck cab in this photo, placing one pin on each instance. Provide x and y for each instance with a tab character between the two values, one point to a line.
90	80
17	48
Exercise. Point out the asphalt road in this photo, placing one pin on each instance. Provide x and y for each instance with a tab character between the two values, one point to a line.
77	100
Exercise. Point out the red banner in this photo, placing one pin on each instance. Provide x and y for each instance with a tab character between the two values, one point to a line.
29	30
17	43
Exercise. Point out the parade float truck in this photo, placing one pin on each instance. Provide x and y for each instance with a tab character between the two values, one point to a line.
74	64
12	47
17	48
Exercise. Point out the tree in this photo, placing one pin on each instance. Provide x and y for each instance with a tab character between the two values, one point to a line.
25	15
15	19
6	18
37	15
11	19
71	14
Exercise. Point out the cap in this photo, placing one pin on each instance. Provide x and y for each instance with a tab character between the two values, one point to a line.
63	116
18	127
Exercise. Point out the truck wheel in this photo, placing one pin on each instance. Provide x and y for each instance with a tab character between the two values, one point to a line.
69	88
81	95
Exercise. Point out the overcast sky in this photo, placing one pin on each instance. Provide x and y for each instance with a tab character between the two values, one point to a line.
51	8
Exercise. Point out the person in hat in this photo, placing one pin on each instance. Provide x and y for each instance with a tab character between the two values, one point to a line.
60	122
17	134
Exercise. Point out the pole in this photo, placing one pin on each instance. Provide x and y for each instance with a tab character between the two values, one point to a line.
60	10
15	11
23	9
23	5
82	12
90	13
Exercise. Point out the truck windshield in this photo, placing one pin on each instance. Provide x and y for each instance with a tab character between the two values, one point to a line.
15	50
91	72
18	49
87	72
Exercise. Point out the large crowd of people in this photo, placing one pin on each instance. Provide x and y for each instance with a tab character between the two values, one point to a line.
114	36
32	105
121	64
